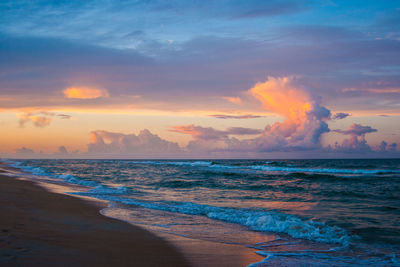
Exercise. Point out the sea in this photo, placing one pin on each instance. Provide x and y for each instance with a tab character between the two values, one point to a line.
336	212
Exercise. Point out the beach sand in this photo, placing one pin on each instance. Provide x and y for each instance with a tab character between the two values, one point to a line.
42	228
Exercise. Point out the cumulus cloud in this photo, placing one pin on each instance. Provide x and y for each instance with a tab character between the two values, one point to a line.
305	119
340	115
143	145
356	141
198	132
304	123
227	116
24	151
208	139
357	130
62	151
85	92
353	144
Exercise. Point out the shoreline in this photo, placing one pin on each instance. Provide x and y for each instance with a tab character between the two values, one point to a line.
24	243
41	228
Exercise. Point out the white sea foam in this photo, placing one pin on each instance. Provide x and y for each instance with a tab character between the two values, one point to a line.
318	258
258	220
37	171
105	190
189	163
75	180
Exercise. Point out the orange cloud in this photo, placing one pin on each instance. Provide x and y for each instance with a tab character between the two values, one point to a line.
304	117
280	96
85	93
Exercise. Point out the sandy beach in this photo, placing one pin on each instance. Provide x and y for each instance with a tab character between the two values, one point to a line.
39	227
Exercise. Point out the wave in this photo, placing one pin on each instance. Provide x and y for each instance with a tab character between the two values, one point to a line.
65	176
177	163
321	258
270	166
322	170
105	190
257	220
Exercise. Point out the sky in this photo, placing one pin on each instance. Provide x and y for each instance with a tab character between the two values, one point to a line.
200	79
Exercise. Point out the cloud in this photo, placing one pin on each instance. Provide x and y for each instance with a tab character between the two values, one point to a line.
381	90
234	100
227	116
243	131
62	151
304	123
353	144
356	142
85	93
304	118
210	140
38	121
23	152
357	130
143	145
109	24
340	115
213	62
198	132
209	133
64	116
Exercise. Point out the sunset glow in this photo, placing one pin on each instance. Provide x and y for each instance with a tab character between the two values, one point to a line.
290	77
200	133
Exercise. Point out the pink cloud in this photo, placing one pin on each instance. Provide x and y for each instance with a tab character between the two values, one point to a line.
234	100
357	130
142	145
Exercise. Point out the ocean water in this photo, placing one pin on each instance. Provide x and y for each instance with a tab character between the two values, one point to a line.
293	212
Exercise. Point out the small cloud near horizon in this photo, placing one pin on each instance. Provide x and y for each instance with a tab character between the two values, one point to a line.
39	119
